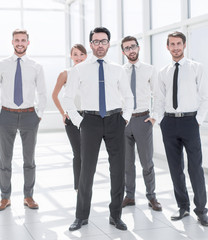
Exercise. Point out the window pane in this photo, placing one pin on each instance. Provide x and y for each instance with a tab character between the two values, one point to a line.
199	7
109	17
132	18
165	12
43	4
197	45
89	17
75	23
10	3
113	53
49	37
12	19
52	67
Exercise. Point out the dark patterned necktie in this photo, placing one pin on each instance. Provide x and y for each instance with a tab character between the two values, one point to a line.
175	87
102	104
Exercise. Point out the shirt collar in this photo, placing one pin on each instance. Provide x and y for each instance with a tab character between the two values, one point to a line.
23	58
94	59
137	64
181	62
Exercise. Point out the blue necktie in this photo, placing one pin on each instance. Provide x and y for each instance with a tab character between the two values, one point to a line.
133	84
102	105
18	98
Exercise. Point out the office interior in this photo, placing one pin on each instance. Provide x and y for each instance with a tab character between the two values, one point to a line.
54	27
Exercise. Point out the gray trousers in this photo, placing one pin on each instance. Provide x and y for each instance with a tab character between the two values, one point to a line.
27	123
140	133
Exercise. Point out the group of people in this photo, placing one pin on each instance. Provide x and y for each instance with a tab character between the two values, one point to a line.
114	103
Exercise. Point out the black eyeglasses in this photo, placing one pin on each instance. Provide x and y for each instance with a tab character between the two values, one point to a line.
133	47
97	42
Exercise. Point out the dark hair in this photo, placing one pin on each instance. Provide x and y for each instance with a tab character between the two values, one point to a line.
100	30
20	31
128	38
80	47
177	35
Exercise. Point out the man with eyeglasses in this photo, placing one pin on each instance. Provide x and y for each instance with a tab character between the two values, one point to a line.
102	85
142	78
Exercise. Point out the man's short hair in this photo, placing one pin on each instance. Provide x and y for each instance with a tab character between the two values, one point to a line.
100	30
177	35
127	39
20	31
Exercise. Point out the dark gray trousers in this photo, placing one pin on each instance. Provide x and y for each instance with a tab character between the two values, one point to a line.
140	133
93	130
27	123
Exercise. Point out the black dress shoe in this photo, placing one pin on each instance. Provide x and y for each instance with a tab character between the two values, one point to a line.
203	219
180	214
118	223
77	224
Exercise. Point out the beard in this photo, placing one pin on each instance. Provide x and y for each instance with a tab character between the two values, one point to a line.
20	51
133	57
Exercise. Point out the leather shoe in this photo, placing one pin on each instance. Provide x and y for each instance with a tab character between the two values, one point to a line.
155	205
128	202
203	219
118	223
77	224
29	202
180	214
4	204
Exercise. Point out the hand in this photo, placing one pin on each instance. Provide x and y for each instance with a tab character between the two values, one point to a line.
65	115
152	120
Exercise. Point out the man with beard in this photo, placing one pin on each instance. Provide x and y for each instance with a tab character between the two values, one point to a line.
182	107
22	84
142	78
101	84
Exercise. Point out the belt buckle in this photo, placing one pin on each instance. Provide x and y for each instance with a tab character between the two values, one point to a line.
178	114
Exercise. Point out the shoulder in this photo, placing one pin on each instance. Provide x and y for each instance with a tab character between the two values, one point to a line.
6	60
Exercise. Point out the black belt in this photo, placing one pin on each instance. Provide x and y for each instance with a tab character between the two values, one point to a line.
108	113
140	114
180	114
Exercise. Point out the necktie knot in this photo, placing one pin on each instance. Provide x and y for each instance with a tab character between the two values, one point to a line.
177	64
100	61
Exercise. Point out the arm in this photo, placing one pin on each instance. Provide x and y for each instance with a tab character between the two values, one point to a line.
160	100
61	80
202	85
41	92
126	94
153	83
72	87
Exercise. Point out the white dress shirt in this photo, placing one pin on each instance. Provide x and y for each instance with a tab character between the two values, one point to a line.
33	83
77	97
192	89
84	77
146	78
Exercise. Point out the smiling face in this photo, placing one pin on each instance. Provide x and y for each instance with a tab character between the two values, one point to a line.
20	43
131	51
101	50
77	56
176	48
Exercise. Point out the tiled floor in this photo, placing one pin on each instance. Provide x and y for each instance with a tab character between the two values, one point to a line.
57	199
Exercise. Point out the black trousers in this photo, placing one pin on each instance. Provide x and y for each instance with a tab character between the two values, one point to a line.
73	134
179	133
93	130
